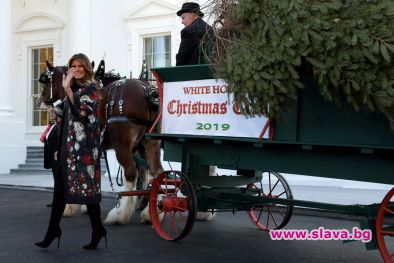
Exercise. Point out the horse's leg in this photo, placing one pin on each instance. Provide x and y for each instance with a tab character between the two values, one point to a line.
69	210
84	209
142	184
123	150
152	155
208	216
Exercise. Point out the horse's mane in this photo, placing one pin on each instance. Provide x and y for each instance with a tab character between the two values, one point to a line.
110	75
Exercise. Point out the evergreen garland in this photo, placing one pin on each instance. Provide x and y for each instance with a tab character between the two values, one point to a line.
348	44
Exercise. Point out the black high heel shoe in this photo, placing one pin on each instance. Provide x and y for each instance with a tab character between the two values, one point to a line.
96	240
49	238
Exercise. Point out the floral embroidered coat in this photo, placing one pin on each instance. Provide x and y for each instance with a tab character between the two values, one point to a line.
80	147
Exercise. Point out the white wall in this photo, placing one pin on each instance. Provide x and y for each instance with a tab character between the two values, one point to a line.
12	148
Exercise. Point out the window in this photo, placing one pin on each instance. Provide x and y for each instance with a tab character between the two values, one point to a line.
38	65
157	52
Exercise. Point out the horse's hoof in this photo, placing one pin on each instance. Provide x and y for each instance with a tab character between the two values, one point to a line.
109	222
116	217
84	209
145	218
205	216
69	210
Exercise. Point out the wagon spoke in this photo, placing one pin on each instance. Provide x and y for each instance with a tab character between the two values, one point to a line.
261	192
178	188
163	219
180	208
166	185
284	192
273	219
280	212
173	224
387	233
272	189
386	209
182	216
163	190
261	212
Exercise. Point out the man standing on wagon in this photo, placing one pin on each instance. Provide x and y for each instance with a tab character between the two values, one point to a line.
192	35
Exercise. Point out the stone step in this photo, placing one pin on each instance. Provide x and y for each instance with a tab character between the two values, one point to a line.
34	163
40	165
30	171
31	165
38	150
35	155
39	170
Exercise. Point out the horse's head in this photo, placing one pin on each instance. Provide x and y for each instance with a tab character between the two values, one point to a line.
52	81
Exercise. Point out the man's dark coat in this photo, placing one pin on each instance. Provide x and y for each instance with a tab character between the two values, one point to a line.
191	37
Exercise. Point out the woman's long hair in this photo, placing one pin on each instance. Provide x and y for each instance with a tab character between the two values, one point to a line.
86	64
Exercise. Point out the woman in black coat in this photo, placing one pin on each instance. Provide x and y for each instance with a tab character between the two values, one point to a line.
192	35
77	173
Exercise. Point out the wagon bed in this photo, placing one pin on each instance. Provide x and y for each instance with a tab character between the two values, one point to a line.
316	138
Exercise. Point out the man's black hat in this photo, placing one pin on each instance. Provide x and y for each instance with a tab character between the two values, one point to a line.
190	7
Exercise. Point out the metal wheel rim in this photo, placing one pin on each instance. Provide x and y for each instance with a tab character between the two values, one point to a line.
167	227
255	217
380	232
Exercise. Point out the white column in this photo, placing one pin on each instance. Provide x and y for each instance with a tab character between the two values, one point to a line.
5	61
12	129
80	31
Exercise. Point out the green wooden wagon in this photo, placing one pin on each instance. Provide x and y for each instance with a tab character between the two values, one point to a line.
317	138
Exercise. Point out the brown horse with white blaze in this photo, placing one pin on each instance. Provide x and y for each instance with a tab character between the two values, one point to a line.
125	116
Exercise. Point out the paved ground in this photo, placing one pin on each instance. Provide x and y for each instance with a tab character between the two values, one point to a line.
228	238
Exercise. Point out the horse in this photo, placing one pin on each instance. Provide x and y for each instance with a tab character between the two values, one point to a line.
125	115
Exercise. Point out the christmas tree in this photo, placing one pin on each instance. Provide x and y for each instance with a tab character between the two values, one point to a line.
262	47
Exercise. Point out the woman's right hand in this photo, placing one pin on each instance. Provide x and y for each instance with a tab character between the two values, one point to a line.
66	82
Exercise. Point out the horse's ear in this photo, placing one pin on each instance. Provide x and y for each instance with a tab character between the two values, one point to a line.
100	72
92	64
49	66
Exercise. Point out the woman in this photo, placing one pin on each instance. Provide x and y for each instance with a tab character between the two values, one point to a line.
78	171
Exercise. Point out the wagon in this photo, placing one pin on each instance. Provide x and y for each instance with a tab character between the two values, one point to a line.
315	138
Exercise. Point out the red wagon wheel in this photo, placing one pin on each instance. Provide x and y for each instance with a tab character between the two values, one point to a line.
273	216
172	205
385	227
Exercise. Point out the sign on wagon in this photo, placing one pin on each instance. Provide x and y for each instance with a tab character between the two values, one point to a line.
204	107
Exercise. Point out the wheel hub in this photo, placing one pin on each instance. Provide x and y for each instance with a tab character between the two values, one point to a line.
173	204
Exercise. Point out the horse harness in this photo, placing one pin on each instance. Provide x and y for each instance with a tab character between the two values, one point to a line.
110	104
119	85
